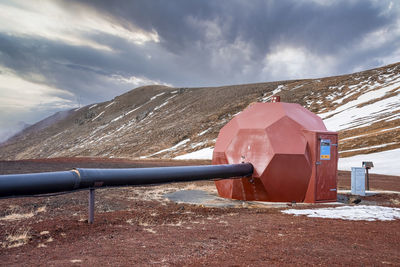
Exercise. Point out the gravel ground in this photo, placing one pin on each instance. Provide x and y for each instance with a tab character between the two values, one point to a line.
138	226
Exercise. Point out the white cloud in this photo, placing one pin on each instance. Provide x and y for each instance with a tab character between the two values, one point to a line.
377	40
286	62
226	57
380	37
18	94
135	80
324	2
47	19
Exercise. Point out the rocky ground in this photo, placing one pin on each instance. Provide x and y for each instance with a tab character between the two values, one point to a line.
138	226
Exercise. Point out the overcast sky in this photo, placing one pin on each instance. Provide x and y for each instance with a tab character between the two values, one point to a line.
55	55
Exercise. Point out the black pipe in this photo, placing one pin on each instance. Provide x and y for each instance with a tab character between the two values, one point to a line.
38	183
52	182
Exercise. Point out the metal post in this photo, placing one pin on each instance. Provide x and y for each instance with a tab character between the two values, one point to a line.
367	179
91	205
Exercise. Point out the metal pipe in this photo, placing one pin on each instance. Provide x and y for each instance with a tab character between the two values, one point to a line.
38	183
52	182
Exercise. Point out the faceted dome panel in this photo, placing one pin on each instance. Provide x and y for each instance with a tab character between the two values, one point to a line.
271	137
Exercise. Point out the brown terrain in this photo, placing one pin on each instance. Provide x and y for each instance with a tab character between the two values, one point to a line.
148	127
138	226
164	122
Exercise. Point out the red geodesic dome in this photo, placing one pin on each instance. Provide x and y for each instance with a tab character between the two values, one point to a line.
277	139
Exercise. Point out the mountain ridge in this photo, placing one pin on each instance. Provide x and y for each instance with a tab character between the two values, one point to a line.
163	122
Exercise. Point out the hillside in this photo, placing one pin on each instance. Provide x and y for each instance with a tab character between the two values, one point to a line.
164	122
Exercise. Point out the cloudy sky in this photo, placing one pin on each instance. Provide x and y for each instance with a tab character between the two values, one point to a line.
56	55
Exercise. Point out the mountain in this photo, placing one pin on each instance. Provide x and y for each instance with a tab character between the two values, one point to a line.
18	127
164	122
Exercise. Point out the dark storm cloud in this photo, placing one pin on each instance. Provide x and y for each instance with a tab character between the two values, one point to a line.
190	53
206	43
321	28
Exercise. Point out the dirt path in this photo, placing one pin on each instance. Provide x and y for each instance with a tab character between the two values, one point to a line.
137	226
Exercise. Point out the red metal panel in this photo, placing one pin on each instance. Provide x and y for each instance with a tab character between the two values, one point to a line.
326	169
286	178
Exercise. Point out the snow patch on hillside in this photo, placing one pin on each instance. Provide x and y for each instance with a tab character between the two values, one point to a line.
350	116
181	143
133	110
368	147
101	113
117	118
386	162
154	97
203	132
352	213
109	105
374	133
205	153
266	97
160	106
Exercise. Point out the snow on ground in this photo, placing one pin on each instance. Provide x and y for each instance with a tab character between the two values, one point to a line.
297	87
181	143
363	116
95	105
165	103
353	213
109	105
349	115
133	110
374	133
160	106
276	91
368	147
205	153
386	162
393	117
154	97
117	118
203	132
194	145
120	128
101	113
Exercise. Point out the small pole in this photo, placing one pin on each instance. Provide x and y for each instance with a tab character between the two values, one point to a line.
91	205
367	179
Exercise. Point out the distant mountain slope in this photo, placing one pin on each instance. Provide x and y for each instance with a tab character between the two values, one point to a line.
5	134
159	121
